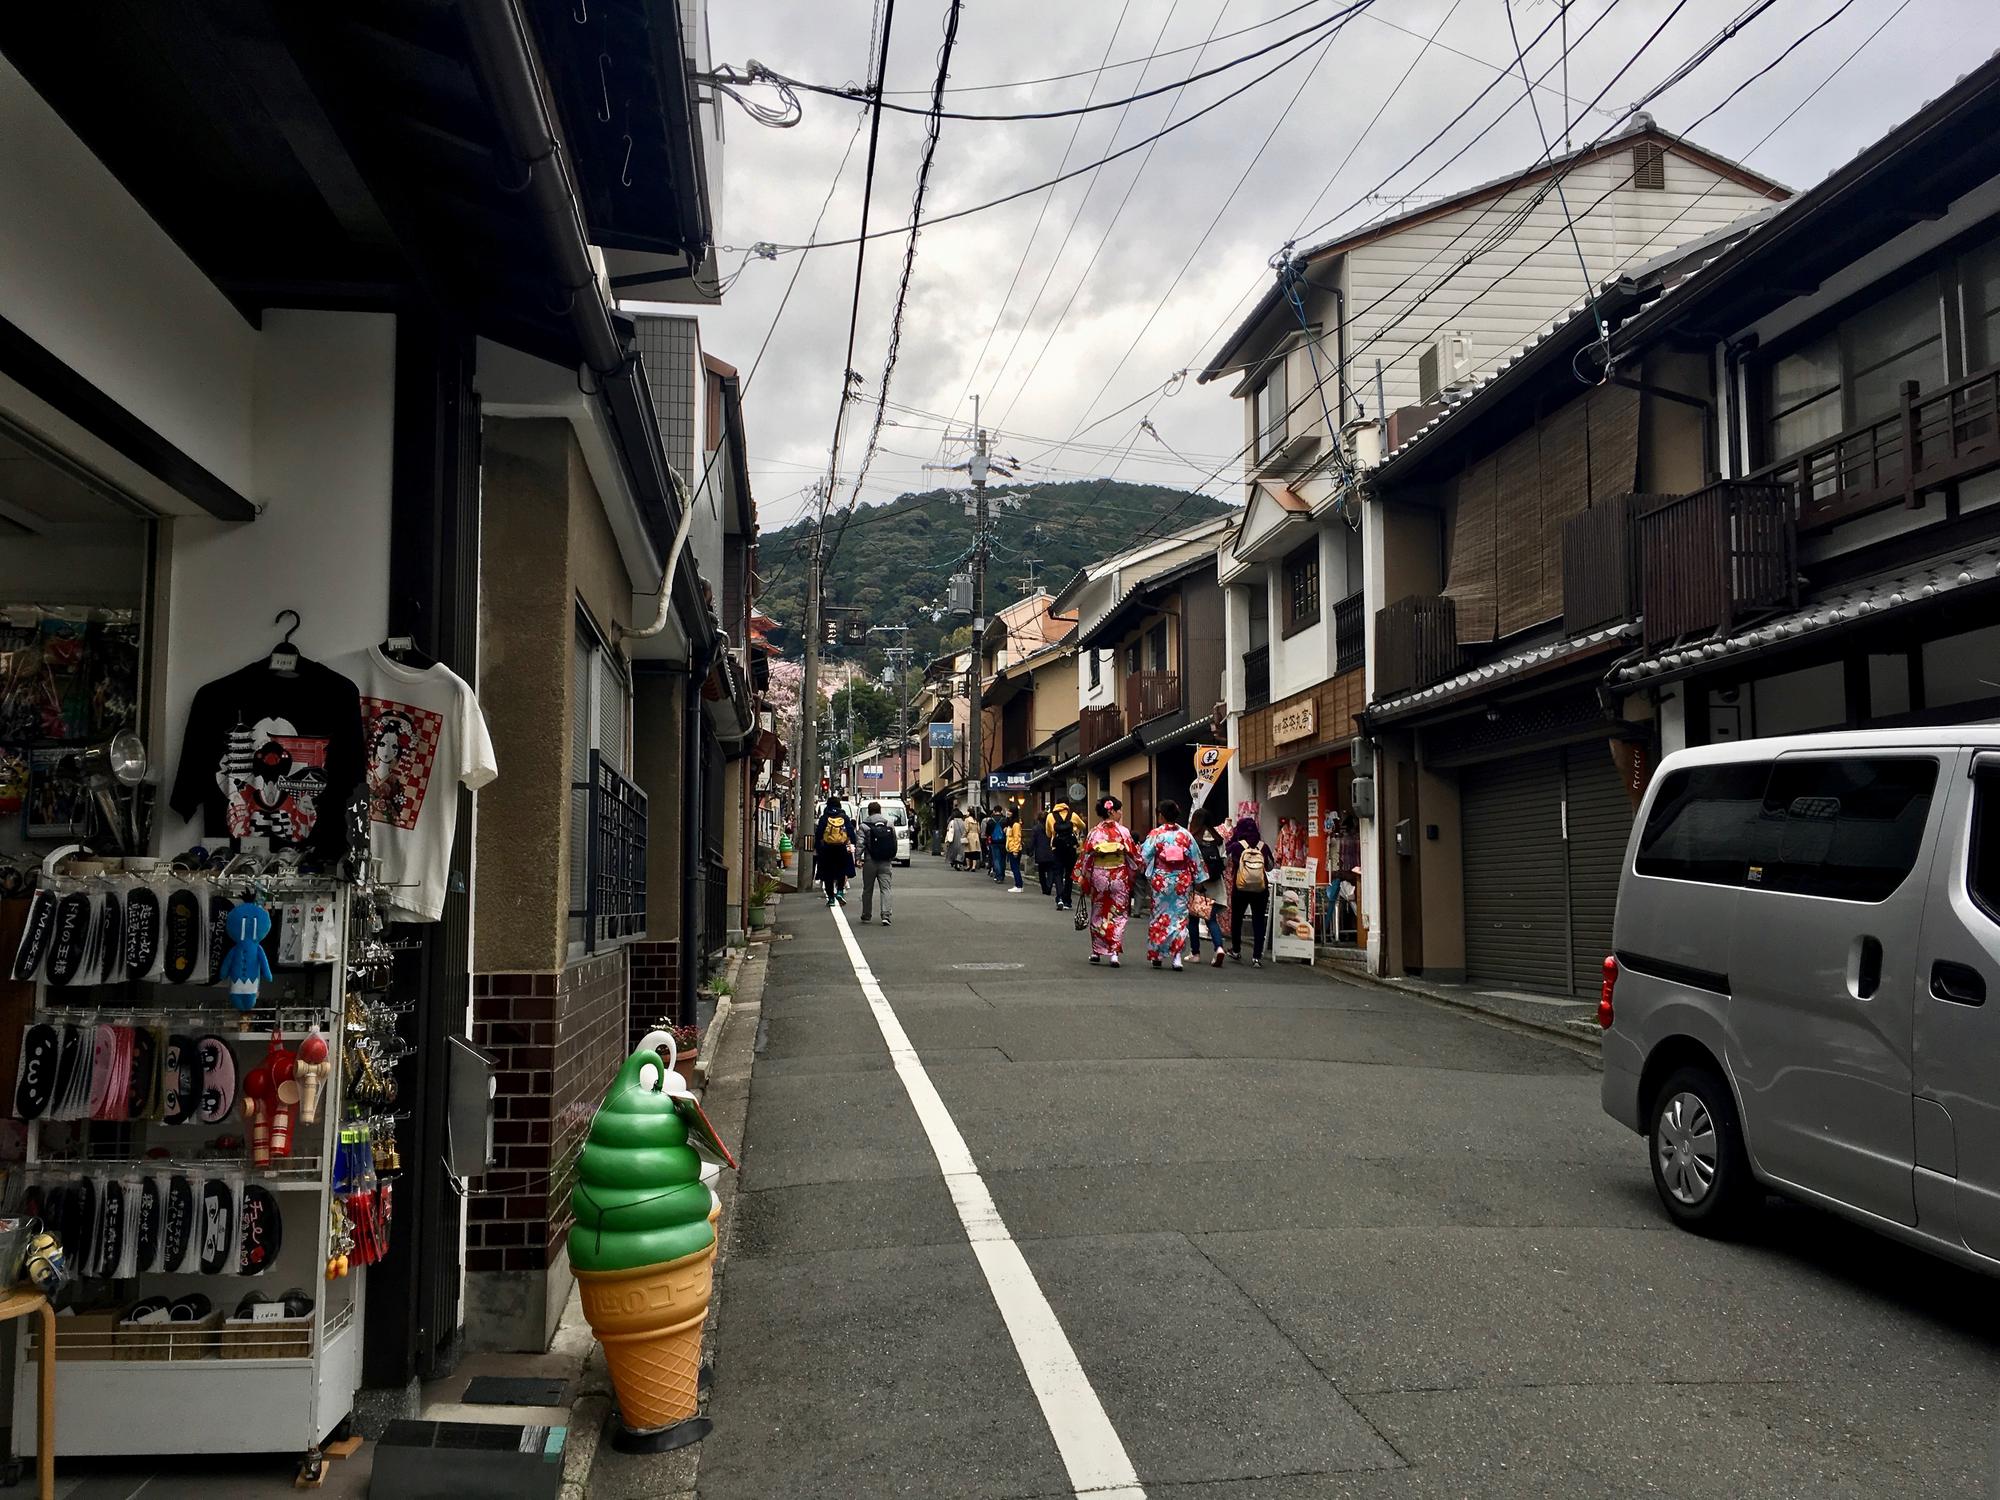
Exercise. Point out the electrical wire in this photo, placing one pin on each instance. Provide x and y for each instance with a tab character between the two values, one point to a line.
1029	244
929	155
1548	154
1076	216
960	213
761	73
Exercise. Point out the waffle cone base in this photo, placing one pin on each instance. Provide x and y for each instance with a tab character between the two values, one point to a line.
649	1322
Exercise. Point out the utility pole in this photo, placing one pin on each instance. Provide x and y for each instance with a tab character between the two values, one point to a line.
809	702
977	466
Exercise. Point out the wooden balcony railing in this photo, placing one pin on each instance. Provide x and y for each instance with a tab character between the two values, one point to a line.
1601	562
1098	727
1350	635
1708	559
1257	677
1151	695
1926	442
1416	644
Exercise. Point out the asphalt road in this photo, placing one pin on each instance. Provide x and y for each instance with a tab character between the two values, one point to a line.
1305	1239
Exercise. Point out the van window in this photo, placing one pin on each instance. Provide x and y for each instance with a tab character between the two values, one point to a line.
1983	877
1703	824
1848	828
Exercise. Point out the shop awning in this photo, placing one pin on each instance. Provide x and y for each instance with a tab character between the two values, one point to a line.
1887	594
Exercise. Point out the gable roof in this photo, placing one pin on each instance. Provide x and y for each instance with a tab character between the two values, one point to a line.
1643	129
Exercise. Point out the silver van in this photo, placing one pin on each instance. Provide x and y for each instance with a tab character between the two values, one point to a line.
1807	932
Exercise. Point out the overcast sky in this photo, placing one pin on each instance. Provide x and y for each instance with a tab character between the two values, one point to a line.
1044	386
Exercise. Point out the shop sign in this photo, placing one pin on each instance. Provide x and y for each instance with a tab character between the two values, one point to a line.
871	773
941	736
1295	721
1279	783
1007	781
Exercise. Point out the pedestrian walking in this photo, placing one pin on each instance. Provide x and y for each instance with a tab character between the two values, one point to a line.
1209	903
1104	870
1013	840
833	851
1045	856
1250	866
1171	857
954	839
1064	830
878	862
996	846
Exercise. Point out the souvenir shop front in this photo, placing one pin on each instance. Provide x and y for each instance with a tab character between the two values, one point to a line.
1300	774
229	800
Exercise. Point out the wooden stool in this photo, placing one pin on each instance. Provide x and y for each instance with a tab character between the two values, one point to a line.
20	1303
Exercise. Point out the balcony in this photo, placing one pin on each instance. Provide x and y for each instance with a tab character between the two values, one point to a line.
1099	727
1927	442
1708	560
1257	677
1416	644
1151	695
1350	639
614	835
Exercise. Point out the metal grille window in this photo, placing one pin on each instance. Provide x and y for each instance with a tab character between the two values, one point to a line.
607	816
1302	588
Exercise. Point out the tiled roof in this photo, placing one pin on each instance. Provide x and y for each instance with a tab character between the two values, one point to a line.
1495	673
1885	593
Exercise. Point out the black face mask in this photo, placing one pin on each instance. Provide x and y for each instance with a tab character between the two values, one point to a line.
218	1227
177	1224
72	938
148	1228
139	1086
35	936
181	1086
263	1230
41	1054
69	1063
142	932
219	907
185	923
110	938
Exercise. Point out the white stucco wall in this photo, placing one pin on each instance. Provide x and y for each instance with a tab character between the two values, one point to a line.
321	433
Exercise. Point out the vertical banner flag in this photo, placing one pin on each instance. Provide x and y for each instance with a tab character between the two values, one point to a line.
1208	763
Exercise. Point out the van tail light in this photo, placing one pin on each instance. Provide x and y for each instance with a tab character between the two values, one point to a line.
1604	994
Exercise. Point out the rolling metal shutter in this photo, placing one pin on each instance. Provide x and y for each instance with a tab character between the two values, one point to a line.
1515	922
1600	820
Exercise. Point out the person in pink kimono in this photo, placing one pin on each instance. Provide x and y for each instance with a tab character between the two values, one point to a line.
1171	858
1104	869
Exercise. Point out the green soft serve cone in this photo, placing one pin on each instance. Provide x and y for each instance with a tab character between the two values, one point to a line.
639	1199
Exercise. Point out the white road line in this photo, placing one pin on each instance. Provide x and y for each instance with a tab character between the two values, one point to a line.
1091	1449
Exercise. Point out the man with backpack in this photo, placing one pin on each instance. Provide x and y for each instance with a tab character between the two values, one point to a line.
833	851
1064	830
1250	864
878	861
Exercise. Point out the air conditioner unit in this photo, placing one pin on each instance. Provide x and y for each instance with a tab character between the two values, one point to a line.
1446	362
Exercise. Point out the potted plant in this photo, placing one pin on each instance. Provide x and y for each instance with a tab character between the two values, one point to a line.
760	901
687	1046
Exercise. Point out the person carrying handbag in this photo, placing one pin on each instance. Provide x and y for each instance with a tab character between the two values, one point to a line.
1210	902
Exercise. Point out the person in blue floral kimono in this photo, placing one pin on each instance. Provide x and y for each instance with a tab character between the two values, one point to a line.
1173	863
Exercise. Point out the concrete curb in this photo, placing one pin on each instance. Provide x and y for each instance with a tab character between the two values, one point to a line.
1584	1042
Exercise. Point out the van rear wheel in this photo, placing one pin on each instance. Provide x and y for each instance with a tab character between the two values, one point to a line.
1699	1165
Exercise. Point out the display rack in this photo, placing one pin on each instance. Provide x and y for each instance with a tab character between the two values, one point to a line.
219	1386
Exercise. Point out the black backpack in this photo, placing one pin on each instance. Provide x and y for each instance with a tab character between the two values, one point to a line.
881	841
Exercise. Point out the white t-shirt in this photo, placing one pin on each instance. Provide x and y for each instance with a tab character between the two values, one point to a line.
421	733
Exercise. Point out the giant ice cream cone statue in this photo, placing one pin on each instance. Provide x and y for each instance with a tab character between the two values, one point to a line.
643	1246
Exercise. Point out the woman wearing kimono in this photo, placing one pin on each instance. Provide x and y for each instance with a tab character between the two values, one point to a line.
1171	858
1104	870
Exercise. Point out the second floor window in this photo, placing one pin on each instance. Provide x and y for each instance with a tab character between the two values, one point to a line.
1301	584
1270	400
1096	668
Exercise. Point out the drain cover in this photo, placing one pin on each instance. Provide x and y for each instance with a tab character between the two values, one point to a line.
510	1390
989	966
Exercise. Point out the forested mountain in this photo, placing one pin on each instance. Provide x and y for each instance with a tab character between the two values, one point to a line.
892	565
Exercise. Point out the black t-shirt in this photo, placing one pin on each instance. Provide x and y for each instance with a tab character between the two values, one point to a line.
273	757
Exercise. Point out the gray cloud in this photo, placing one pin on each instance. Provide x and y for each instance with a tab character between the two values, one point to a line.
775	181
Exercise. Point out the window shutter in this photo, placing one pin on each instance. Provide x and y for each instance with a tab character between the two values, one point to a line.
1469	574
1614	441
1649	166
1565	485
1518	536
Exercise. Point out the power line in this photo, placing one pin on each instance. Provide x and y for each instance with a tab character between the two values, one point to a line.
931	133
1207	109
1029	244
1076	216
1548	154
757	70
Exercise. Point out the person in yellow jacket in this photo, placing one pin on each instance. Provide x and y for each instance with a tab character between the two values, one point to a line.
1063	828
1013	838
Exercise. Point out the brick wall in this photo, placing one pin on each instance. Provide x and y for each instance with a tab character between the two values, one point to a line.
656	988
558	1039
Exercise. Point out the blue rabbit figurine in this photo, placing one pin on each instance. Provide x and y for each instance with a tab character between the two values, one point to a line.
246	967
